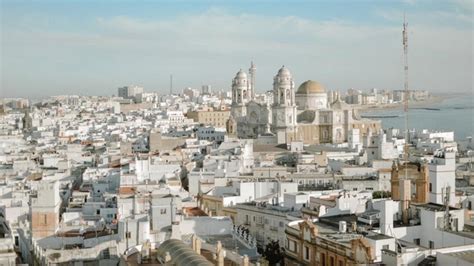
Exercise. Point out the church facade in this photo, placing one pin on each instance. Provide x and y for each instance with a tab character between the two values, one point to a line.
301	115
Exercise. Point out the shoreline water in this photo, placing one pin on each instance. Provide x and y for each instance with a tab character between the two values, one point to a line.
413	104
442	113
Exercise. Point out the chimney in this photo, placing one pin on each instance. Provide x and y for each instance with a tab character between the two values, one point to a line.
354	226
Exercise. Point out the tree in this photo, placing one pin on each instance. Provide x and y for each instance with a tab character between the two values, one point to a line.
381	194
273	253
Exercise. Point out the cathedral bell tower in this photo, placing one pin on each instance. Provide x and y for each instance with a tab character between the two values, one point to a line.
241	94
252	72
284	107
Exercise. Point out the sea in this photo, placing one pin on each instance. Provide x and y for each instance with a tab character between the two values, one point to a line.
452	114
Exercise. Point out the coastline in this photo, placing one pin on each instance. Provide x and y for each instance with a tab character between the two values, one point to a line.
433	100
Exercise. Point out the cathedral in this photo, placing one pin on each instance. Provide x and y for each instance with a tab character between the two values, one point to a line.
305	115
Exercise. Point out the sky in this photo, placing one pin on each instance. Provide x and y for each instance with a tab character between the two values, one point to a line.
93	47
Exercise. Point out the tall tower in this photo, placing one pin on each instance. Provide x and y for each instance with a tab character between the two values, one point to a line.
405	68
252	72
240	94
44	209
284	107
442	175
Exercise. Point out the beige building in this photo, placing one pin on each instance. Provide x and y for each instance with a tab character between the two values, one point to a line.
159	142
322	122
44	207
305	114
322	244
210	116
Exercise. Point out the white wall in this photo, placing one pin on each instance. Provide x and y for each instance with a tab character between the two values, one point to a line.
206	226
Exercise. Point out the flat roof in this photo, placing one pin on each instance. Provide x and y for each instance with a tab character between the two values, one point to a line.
435	207
270	148
467	255
378	237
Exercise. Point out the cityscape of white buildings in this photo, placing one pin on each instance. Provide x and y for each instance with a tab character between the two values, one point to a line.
230	178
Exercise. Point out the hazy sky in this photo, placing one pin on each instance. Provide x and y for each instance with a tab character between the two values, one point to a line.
93	47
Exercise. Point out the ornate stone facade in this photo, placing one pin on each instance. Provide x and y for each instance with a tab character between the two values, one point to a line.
304	115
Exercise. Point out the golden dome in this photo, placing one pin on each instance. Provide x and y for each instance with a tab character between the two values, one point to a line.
310	87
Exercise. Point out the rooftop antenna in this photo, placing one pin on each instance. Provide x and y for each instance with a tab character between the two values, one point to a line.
405	59
171	84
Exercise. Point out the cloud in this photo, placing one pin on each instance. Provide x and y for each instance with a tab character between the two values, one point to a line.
211	46
466	6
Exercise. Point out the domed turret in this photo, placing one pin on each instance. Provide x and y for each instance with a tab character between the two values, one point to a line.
241	93
284	108
284	71
241	75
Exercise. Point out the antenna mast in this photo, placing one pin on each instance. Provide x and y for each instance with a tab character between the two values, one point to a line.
171	84
405	59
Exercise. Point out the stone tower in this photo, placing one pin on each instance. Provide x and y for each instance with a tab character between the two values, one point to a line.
252	72
284	106
44	209
241	94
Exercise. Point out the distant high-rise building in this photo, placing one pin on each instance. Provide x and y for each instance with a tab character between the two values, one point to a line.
206	89
129	92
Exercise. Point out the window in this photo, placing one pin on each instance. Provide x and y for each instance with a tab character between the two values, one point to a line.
432	245
128	234
306	253
163	211
97	212
292	246
430	187
341	263
385	247
45	219
323	259
416	241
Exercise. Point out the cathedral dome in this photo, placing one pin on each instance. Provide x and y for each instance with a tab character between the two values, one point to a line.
310	87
